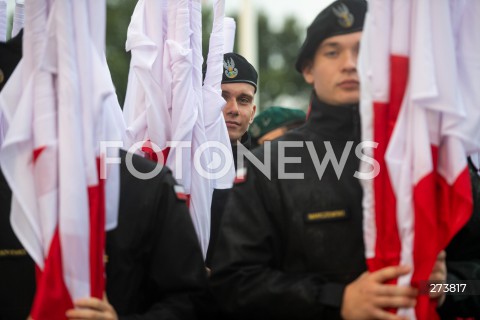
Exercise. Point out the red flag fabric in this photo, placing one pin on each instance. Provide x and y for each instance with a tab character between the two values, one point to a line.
51	155
166	105
422	195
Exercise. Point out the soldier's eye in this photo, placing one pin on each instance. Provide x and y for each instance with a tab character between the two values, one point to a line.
244	100
331	53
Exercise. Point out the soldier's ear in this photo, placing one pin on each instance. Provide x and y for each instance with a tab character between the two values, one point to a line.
254	109
307	72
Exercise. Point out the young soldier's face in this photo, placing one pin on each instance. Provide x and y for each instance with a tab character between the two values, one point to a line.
333	71
239	110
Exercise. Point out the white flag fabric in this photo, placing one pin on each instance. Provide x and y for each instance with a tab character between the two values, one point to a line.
51	156
146	108
228	34
29	84
420	112
213	101
18	17
3	20
167	106
201	185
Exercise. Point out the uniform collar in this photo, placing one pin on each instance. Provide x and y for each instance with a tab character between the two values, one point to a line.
334	122
247	143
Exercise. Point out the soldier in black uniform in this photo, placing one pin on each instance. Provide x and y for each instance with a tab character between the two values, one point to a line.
11	53
17	271
291	243
154	259
239	85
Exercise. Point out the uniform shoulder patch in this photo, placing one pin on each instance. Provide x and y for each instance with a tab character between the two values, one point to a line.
180	192
240	176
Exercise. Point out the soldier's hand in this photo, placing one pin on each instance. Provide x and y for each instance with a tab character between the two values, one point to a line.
368	296
439	275
92	309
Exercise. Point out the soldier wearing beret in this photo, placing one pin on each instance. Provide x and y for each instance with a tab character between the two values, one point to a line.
239	85
274	122
291	242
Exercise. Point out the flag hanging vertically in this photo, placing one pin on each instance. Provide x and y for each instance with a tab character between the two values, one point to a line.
146	108
167	106
57	117
419	111
216	129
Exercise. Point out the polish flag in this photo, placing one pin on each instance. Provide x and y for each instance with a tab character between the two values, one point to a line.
51	154
423	120
166	104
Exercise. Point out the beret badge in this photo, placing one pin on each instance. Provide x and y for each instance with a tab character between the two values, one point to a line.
230	70
345	18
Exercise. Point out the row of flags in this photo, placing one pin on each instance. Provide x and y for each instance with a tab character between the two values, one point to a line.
18	18
418	69
418	64
60	105
169	108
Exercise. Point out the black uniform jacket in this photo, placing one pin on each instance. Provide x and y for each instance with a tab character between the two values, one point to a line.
17	269
288	246
463	260
219	200
154	258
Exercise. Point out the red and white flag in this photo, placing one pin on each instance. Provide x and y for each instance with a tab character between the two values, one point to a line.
51	153
381	60
421	130
166	104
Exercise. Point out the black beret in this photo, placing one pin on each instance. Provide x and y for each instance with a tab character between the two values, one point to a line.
238	69
11	53
341	17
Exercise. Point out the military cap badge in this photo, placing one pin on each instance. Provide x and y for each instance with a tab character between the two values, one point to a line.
230	70
345	18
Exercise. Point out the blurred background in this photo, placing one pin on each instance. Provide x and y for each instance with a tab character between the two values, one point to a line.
269	34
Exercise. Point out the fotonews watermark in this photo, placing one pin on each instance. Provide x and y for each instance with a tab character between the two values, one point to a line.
214	160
